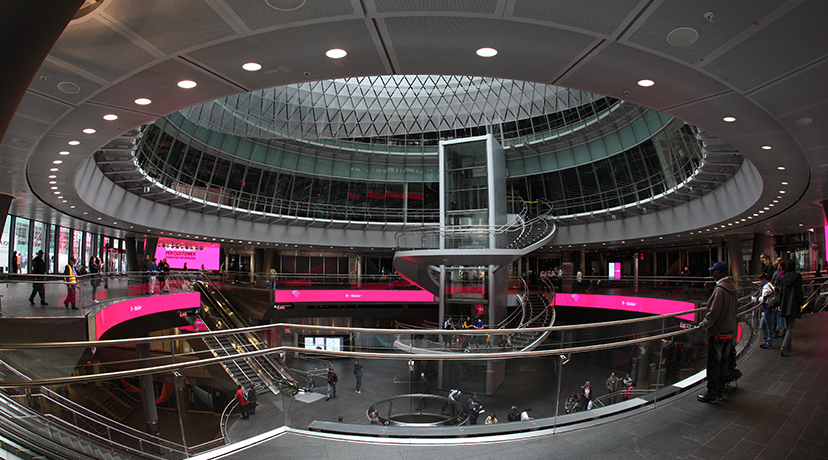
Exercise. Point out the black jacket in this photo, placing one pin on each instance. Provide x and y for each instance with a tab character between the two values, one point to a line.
790	294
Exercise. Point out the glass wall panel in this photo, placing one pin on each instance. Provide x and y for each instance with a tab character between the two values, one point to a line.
77	240
21	243
5	239
64	246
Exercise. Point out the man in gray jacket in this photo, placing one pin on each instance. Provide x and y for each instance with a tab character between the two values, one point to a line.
720	322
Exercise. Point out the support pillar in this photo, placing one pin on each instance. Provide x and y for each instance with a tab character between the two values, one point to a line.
734	253
147	391
131	254
758	248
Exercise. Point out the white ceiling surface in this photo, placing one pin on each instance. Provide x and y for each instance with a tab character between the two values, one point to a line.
764	62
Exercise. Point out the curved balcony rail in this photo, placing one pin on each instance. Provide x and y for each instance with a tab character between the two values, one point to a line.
673	167
667	351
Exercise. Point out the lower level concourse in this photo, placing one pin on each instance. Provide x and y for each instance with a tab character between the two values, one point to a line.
778	411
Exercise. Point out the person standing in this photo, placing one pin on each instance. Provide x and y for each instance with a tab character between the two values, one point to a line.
593	280
241	397
146	272
71	281
332	379
475	409
15	263
579	281
163	273
358	375
762	297
251	399
790	303
153	276
612	388
586	396
514	415
424	387
39	268
685	282
273	278
720	323
95	276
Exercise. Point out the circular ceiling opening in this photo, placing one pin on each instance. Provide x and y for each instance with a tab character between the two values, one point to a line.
285	5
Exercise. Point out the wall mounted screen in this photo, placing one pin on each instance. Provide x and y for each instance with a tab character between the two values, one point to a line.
625	303
193	253
614	270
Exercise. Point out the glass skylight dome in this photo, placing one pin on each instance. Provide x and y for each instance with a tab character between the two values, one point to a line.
370	107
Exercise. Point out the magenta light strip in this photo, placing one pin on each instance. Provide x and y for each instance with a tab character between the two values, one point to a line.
351	296
626	303
119	312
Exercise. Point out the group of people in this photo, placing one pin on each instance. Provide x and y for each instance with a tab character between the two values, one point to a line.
154	275
780	296
70	279
247	399
584	398
463	342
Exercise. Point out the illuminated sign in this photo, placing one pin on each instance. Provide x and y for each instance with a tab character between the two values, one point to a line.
625	303
193	253
346	296
120	312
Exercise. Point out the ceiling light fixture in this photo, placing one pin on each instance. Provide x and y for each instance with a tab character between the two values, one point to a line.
56	193
646	83
73	142
110	117
143	101
784	183
729	119
54	169
53	188
781	168
251	66
336	53
89	131
781	191
63	152
57	162
766	147
52	176
486	52
187	84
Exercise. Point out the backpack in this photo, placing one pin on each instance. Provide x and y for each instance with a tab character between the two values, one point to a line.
772	301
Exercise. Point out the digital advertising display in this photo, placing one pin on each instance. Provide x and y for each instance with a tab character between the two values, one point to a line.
196	254
324	343
349	296
614	270
626	303
120	312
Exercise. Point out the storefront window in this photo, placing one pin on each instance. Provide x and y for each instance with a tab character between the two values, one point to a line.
88	254
63	248
77	239
39	239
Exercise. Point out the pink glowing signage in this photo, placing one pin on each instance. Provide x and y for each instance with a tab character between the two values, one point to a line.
119	312
351	296
625	303
196	254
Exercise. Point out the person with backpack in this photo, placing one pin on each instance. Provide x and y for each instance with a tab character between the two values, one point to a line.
241	397
769	299
790	303
720	323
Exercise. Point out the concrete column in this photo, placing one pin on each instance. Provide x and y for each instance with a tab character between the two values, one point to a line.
147	391
131	254
755	264
149	247
734	253
5	203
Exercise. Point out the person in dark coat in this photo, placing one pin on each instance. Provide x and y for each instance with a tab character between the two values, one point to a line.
424	387
251	399
39	268
790	302
358	376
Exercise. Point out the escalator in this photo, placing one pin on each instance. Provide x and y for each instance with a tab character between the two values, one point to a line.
265	372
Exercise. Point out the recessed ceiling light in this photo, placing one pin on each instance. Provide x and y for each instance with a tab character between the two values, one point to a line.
63	152
56	193
53	188
143	101
85	213
114	223
646	83
784	183
336	53
771	204
187	84
776	201
781	168
251	66
766	208
766	147
60	197
761	211
486	52
755	215
53	182
57	162
72	207
729	119
743	219
89	131
54	169
801	225
781	191
73	142
99	218
52	176
110	117
64	201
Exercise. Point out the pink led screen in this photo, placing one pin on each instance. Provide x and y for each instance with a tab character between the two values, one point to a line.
119	312
625	303
193	253
346	296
